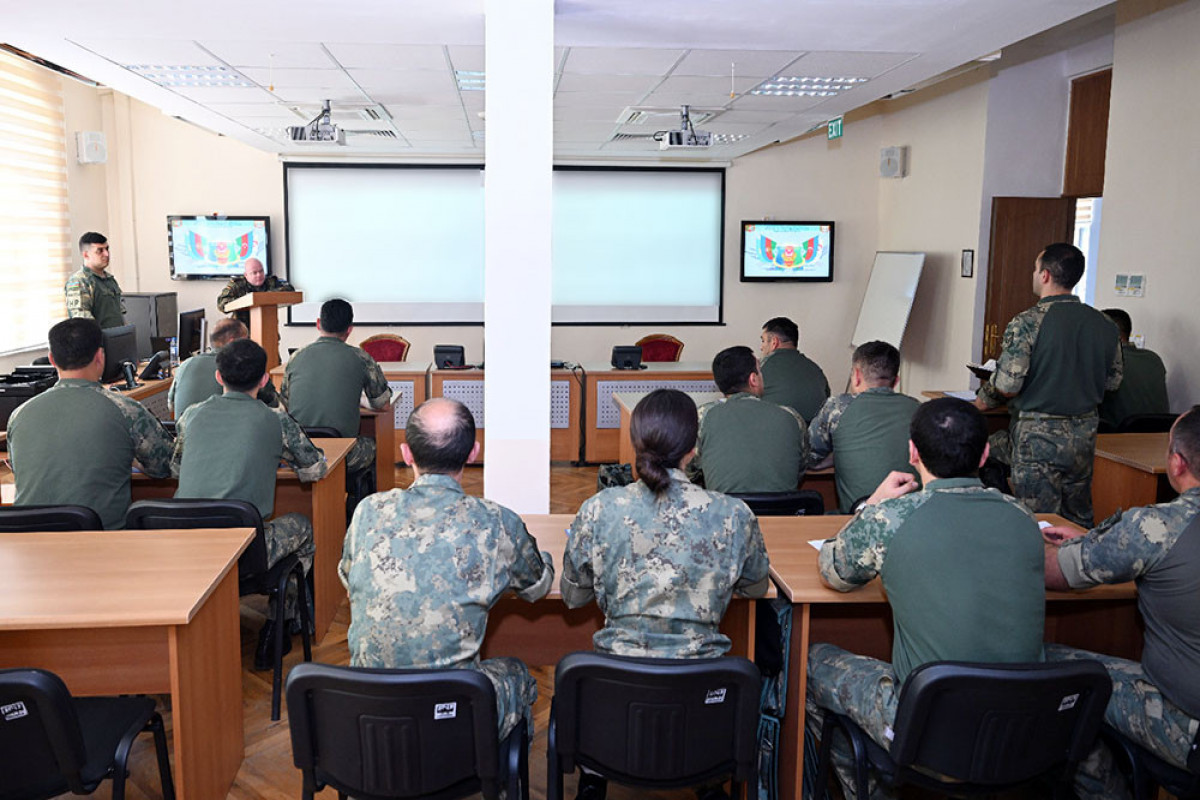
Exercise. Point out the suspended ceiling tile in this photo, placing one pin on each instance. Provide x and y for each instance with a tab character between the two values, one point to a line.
388	56
278	54
748	63
620	61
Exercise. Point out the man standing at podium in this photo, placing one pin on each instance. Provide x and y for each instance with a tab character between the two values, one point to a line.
254	279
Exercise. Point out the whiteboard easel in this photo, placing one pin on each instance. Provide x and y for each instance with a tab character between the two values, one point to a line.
889	298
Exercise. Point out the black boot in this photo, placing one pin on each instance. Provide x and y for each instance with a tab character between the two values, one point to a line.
264	652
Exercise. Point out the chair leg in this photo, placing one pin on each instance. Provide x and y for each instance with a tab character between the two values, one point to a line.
155	726
824	754
280	629
861	784
121	763
554	776
303	605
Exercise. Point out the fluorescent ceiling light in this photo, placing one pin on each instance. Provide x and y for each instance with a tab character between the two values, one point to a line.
470	80
192	76
805	86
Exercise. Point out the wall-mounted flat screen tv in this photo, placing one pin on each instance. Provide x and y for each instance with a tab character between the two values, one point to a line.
216	247
787	251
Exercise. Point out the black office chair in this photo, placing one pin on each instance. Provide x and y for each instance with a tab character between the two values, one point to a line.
801	503
254	577
654	722
1147	423
358	484
379	734
984	728
52	743
1147	772
168	425
33	519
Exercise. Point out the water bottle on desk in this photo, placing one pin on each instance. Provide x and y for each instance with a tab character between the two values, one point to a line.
173	344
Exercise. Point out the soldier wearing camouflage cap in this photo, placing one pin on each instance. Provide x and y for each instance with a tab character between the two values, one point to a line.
423	565
209	468
962	567
47	434
1057	361
1156	702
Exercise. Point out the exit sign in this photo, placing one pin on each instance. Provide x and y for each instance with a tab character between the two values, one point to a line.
834	128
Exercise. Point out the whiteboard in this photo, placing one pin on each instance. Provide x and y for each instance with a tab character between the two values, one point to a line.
889	298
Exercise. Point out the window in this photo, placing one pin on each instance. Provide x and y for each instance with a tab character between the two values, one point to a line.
35	229
1087	239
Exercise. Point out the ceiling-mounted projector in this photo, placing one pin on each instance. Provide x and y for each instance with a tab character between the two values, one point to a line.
685	137
320	131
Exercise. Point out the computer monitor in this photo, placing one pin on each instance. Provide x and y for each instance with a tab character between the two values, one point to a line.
449	356
120	345
191	340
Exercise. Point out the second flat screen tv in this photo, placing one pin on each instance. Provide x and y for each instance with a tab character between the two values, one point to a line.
787	251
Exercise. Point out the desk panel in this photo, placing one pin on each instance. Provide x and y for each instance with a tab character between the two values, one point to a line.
1130	470
602	423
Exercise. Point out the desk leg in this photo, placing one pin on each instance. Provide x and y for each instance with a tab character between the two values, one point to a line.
329	532
206	696
385	452
791	749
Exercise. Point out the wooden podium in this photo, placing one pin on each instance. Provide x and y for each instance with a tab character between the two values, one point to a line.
264	318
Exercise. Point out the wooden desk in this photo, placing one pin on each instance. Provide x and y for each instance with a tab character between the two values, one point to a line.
467	386
602	422
410	388
153	395
1130	470
123	612
819	480
541	633
997	418
323	502
1103	619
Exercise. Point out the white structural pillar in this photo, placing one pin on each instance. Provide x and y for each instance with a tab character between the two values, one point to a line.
519	62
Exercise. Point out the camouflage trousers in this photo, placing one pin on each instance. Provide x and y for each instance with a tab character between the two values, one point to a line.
287	534
1052	464
1139	711
861	688
361	455
516	691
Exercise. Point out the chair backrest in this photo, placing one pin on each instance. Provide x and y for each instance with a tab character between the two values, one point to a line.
19	519
181	513
380	733
320	432
41	745
1147	423
386	347
804	502
654	720
660	347
169	425
999	723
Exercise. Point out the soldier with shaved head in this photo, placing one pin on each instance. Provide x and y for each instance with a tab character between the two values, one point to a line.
423	565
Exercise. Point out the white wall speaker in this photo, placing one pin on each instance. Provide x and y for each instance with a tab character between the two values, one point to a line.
893	162
91	147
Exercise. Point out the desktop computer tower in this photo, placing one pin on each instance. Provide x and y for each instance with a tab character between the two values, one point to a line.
155	315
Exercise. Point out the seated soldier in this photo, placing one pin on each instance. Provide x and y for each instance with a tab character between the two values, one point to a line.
864	433
1156	702
662	557
196	378
423	565
746	444
229	447
323	382
48	433
961	565
1143	390
790	378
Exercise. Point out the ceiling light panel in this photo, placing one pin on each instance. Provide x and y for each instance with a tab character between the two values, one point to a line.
620	61
190	75
265	54
746	63
470	80
807	85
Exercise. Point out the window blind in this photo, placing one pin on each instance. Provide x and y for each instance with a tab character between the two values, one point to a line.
34	215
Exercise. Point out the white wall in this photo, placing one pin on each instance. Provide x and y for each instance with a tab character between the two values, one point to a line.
1152	168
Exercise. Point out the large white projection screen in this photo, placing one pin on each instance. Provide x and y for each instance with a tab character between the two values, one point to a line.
405	244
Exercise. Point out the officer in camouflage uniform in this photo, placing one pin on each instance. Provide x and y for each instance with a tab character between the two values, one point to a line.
1156	702
47	434
790	378
1057	360
209	468
864	434
196	378
254	279
661	557
92	293
1143	389
745	444
423	565
962	567
323	381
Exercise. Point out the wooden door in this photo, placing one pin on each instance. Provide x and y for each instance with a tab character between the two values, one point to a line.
1021	229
